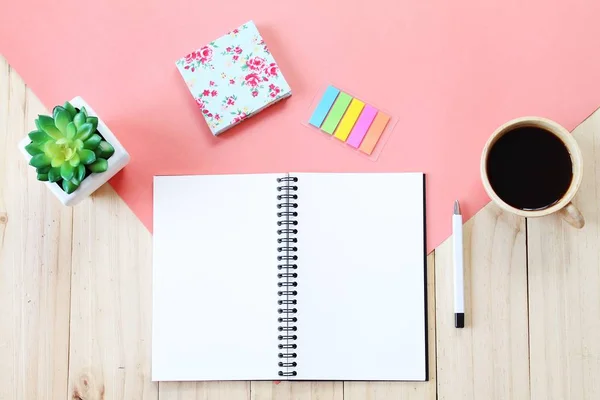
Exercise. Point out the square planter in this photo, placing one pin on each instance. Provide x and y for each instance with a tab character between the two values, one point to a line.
92	182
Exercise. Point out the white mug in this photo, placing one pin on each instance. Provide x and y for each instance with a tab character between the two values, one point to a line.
564	206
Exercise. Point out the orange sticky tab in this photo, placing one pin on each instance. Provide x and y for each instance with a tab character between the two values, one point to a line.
374	133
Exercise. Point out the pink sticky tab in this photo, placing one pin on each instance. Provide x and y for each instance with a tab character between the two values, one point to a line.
362	126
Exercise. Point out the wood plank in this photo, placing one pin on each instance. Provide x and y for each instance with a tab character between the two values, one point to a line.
564	289
35	260
405	390
488	359
111	302
297	390
204	390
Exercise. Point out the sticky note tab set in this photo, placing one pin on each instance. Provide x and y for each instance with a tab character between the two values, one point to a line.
350	120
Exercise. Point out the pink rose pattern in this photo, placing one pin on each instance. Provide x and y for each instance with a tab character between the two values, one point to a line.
246	77
255	64
274	90
260	72
264	45
200	58
234	52
271	70
238	116
229	101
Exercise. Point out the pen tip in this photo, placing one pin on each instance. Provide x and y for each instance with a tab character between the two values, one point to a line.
456	207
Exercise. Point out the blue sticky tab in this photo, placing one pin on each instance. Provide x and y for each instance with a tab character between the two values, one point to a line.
323	107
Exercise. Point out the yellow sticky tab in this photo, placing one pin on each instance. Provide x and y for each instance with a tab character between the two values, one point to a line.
347	123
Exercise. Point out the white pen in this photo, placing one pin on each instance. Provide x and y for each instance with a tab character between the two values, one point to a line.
457	245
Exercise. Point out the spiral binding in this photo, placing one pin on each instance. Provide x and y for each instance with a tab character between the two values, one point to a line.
287	274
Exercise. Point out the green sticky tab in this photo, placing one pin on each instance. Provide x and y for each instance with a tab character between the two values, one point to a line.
336	113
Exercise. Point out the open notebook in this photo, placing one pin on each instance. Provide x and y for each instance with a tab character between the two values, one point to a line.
299	276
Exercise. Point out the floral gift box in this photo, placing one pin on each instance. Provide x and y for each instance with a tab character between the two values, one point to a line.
233	78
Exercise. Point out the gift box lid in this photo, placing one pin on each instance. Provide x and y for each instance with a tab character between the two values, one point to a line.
233	77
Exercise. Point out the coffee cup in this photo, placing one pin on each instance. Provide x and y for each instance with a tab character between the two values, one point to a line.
533	167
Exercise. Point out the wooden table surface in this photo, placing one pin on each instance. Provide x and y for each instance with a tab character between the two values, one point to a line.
75	297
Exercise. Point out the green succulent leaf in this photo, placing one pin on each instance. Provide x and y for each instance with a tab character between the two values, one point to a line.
104	150
92	142
78	144
54	175
71	130
57	161
68	186
74	160
39	161
39	136
61	119
43	170
67	171
87	156
80	172
94	122
46	123
100	165
69	107
55	111
69	153
42	177
33	149
52	149
79	119
37	125
85	131
75	181
84	111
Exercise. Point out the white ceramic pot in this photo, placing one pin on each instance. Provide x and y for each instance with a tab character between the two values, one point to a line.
89	185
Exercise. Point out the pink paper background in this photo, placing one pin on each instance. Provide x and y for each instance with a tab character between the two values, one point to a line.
451	71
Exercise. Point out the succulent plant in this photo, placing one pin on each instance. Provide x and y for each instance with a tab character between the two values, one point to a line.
67	147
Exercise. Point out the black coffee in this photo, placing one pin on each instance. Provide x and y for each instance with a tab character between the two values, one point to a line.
529	168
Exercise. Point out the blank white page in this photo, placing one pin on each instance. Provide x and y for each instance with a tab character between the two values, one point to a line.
361	277
215	278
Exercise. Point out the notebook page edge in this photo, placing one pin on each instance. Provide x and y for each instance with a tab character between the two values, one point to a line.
163	374
420	374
